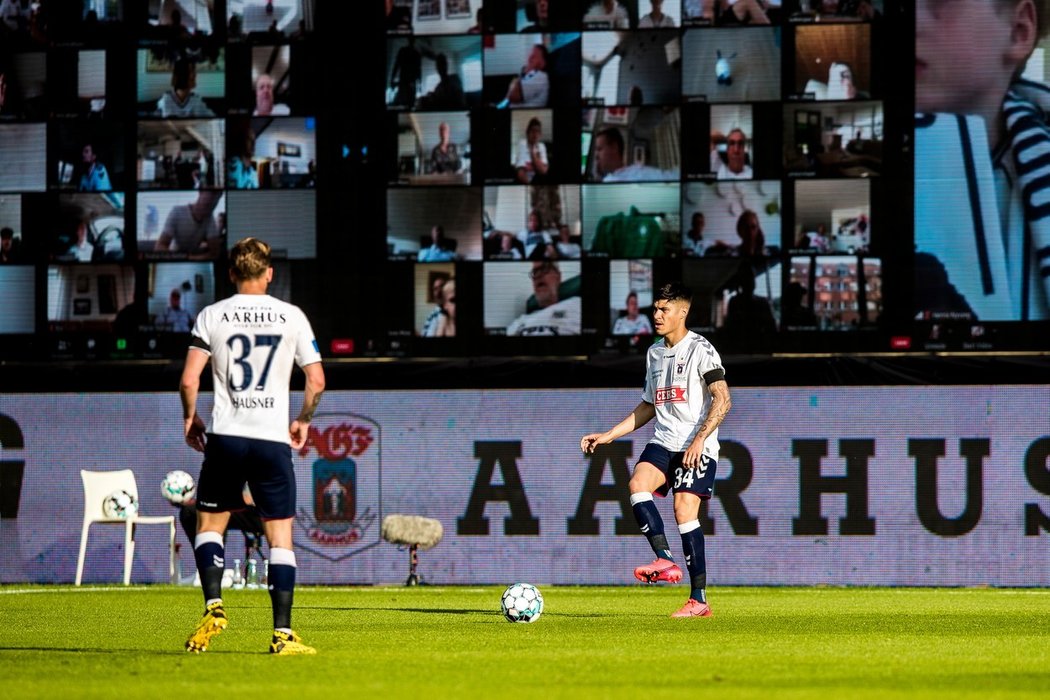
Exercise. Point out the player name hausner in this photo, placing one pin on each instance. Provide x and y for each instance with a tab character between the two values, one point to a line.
252	402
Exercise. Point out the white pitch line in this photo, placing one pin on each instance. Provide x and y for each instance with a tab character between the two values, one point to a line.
365	588
85	589
305	588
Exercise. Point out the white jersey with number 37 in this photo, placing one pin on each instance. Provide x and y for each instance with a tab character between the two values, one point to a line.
674	384
253	339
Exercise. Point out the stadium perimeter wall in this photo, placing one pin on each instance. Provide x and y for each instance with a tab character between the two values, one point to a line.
917	486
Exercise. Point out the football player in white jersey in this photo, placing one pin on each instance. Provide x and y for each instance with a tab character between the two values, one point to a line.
252	340
687	393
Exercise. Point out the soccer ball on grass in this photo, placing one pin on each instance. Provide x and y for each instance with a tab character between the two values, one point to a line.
177	487
522	602
120	504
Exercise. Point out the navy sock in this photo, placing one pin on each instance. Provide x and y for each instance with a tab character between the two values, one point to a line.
282	586
693	546
209	553
651	524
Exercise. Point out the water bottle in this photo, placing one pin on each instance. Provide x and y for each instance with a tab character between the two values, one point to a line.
238	579
264	581
253	574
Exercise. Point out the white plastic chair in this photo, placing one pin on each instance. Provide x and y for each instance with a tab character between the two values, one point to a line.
98	485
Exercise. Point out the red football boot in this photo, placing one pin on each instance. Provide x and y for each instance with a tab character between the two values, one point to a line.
659	570
693	608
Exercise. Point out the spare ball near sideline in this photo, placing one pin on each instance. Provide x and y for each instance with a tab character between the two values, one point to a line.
177	487
120	504
522	602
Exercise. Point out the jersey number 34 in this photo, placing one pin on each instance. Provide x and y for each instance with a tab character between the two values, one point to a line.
687	476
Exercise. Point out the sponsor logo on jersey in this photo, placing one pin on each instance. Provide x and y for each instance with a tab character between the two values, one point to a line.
339	464
670	394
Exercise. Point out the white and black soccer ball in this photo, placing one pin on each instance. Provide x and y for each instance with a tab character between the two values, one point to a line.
522	602
120	504
177	487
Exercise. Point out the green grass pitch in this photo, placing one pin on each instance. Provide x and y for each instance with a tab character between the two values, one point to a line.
437	642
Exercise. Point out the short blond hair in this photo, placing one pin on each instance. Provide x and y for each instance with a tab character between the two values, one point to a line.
249	259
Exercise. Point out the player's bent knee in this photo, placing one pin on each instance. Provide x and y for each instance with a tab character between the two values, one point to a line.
686	506
646	478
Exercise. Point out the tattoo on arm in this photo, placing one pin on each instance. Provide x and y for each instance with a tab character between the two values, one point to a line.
714	418
307	413
720	405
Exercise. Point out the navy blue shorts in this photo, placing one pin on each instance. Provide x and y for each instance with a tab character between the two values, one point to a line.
230	462
696	480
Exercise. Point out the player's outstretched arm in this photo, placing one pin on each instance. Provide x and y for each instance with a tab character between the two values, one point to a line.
300	427
642	414
189	386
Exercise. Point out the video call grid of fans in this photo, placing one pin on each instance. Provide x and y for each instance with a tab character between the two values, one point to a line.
124	197
735	145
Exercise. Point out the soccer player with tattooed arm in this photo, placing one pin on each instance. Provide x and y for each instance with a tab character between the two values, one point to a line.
686	391
252	340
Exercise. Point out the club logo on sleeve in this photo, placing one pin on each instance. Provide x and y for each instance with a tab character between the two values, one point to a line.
339	467
670	394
